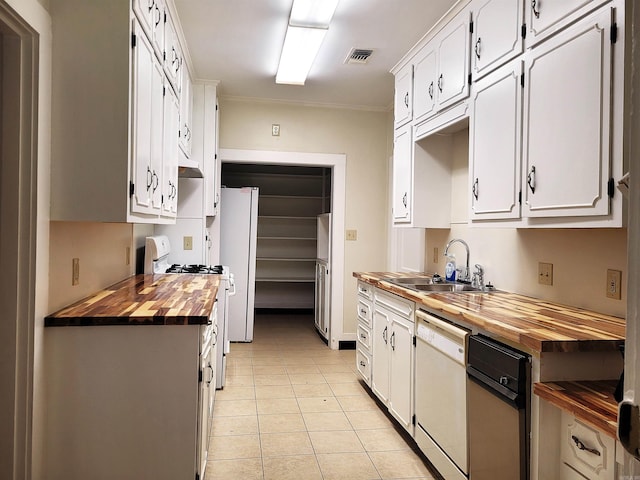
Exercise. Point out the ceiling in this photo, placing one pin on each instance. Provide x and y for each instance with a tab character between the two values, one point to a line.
238	42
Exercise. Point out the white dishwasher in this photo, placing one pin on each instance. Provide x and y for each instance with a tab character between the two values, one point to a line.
441	395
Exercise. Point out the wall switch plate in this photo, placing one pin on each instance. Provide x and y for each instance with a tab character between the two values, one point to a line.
75	271
614	284
187	243
545	273
352	235
275	130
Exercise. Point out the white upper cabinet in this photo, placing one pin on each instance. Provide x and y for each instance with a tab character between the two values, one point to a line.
545	17
495	132
173	61
453	61
497	34
403	97
186	113
567	131
441	69
151	15
170	154
402	175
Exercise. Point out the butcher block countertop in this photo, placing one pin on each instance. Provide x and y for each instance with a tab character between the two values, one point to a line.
538	325
589	401
161	299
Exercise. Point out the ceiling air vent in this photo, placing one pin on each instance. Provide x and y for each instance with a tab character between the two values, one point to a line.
359	56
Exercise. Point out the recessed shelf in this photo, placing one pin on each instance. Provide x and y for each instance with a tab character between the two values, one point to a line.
274	259
286	280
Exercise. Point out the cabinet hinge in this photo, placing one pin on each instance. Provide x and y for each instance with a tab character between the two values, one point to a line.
611	187
471	27
469	79
133	40
414	340
165	17
197	476
164	91
614	32
523	30
520	197
413	420
215	156
522	80
199	376
132	188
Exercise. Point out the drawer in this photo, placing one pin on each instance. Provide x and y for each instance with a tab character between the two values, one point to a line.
365	313
364	337
363	362
365	290
577	439
403	307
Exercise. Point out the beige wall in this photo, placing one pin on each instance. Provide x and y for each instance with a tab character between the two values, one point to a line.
580	257
101	248
362	135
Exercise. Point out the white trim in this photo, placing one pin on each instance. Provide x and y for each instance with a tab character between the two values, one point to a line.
338	162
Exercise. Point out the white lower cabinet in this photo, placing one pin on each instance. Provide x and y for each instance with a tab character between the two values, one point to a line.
365	321
392	355
585	453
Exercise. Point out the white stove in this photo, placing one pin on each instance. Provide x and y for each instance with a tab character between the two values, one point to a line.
157	255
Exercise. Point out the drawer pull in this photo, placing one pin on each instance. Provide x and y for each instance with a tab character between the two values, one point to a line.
362	364
363	336
363	311
582	446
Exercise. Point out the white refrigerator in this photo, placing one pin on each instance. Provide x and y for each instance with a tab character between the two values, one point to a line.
238	238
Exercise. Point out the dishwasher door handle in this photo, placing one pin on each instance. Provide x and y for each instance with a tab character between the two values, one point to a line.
514	399
452	330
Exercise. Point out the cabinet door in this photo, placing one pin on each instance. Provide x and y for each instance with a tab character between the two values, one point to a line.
545	17
495	132
186	104
144	74
158	21
453	61
497	34
157	136
425	83
380	353
402	175
170	154
172	54
403	110
210	152
567	122
401	371
144	10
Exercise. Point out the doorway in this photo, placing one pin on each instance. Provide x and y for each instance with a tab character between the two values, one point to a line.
18	136
333	166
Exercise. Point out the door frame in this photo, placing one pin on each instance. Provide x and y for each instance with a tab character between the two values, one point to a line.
338	164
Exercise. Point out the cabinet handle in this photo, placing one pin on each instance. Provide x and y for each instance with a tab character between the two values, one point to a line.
440	83
150	4
474	189
149	178
212	374
406	99
159	16
533	8
156	179
404	199
363	336
362	364
384	335
531	179
582	446
431	90
363	311
393	341
477	48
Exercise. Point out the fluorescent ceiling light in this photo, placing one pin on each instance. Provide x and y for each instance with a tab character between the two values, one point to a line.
312	13
308	24
300	48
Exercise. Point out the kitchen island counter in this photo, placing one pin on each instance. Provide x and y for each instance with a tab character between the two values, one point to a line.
159	299
534	324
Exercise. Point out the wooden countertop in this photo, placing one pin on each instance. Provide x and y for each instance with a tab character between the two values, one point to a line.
590	401
536	324
161	299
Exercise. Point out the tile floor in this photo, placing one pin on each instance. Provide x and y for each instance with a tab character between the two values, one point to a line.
294	409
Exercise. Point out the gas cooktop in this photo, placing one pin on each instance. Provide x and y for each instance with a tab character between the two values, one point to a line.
203	269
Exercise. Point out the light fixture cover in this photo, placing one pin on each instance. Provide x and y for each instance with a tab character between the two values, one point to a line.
312	13
300	48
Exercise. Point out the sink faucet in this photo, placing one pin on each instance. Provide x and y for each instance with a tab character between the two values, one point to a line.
477	281
464	277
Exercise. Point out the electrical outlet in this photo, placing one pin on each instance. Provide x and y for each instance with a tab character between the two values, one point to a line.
187	243
614	284
435	255
275	130
75	271
352	235
545	273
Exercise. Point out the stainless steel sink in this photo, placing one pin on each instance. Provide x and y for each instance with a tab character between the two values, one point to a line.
425	285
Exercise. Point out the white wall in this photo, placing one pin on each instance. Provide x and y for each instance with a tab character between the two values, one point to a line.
363	136
580	257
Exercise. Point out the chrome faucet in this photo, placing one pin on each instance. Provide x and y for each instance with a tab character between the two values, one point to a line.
477	281
464	277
